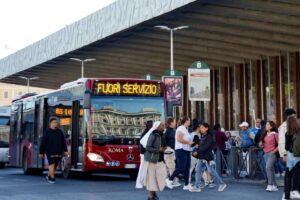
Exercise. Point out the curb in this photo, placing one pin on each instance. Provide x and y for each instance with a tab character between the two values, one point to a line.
280	182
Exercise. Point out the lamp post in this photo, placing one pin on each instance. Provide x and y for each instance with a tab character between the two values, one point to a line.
82	63
28	80
171	40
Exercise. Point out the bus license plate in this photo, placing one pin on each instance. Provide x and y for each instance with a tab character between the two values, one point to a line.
130	166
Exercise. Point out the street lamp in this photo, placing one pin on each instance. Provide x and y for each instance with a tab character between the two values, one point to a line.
28	80
171	41
82	63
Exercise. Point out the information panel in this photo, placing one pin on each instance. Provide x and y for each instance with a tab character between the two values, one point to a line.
111	88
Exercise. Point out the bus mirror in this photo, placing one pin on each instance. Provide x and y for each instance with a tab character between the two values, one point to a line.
87	100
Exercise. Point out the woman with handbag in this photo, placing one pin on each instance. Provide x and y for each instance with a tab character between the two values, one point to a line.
154	167
204	153
269	143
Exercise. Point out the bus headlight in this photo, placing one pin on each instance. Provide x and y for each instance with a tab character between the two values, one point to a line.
95	157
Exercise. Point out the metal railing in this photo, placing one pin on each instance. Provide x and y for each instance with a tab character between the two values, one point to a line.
241	163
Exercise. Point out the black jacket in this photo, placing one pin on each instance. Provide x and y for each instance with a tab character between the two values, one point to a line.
53	142
205	147
289	143
155	141
170	137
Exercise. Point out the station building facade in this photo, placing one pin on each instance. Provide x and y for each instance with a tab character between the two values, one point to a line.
254	89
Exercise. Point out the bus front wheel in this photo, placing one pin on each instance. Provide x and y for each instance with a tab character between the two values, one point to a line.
2	165
25	162
65	168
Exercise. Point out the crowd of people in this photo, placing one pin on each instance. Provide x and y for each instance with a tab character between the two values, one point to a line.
178	151
167	154
278	146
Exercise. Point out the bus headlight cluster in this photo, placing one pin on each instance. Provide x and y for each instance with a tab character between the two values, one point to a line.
95	157
113	164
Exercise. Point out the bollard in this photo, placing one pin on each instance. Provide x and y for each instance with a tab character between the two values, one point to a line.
252	162
219	161
235	163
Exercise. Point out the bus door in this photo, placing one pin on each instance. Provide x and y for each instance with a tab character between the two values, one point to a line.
40	126
19	136
75	135
34	141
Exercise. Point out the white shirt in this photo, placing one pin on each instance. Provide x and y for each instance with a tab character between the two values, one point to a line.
281	142
186	137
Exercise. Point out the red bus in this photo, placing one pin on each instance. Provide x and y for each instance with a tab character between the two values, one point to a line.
102	120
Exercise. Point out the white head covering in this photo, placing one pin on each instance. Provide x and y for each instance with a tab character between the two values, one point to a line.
154	127
144	140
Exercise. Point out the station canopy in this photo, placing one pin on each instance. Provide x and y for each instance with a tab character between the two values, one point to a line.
125	43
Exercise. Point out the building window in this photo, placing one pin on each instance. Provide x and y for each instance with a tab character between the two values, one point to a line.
288	80
251	91
5	95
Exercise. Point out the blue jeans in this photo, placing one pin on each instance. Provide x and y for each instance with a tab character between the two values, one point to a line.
201	166
183	164
278	166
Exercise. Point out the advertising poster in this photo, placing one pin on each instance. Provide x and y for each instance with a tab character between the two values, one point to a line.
199	84
174	85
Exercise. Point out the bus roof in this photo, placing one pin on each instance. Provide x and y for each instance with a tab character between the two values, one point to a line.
76	83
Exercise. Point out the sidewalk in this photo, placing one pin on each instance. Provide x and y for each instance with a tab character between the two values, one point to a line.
280	181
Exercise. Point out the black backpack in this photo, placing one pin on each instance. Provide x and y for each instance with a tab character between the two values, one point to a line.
296	145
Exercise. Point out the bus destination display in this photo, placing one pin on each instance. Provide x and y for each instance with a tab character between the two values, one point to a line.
127	89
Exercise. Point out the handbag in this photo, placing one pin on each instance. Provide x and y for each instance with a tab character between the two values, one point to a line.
195	153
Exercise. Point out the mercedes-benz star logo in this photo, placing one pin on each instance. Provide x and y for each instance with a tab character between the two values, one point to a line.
130	157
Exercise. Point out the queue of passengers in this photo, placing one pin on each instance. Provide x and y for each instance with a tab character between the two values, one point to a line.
166	154
280	148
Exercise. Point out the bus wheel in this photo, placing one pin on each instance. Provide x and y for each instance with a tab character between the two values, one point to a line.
65	168
25	163
2	165
133	175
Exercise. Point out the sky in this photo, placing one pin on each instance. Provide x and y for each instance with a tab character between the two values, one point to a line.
24	22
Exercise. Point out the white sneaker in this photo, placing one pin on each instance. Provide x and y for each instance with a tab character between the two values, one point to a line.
283	197
169	183
222	187
187	187
295	195
277	175
176	184
269	188
274	188
195	189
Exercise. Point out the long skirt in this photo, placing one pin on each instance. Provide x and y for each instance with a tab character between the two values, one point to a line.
140	178
155	175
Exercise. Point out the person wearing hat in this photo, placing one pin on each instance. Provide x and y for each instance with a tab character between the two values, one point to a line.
245	135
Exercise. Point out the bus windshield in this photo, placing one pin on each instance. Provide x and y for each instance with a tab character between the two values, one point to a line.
115	119
4	131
